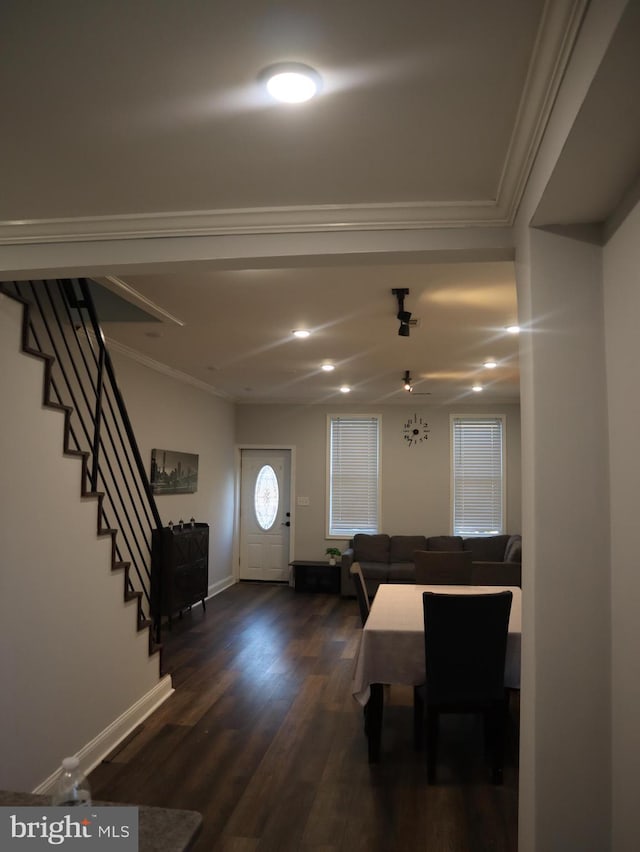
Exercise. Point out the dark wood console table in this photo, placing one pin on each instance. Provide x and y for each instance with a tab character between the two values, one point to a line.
180	557
311	575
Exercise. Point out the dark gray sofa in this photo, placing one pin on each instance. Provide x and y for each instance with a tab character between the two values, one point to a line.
389	559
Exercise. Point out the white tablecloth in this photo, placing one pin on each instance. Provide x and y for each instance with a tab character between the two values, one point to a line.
392	646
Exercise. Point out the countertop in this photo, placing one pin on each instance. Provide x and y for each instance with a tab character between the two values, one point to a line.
159	829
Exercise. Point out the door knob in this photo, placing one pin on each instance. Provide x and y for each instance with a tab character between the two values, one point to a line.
286	524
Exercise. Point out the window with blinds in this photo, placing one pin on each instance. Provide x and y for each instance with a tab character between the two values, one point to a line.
353	473
478	480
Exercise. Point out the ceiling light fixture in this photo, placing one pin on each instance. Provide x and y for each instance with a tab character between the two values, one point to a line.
407	382
345	389
477	388
490	364
291	82
513	329
402	315
301	332
328	368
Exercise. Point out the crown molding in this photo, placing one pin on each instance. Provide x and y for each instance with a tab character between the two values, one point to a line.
557	34
159	367
129	294
259	220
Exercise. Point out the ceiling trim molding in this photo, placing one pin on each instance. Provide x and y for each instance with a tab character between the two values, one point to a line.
559	28
263	220
159	367
129	294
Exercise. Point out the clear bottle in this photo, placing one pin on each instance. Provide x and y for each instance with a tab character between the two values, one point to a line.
72	787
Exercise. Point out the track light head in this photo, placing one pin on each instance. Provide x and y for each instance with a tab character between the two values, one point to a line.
402	315
407	382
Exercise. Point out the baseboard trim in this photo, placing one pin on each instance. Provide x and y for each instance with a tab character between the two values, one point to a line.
99	747
215	589
220	586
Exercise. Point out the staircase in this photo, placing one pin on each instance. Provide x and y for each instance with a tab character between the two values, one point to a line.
60	326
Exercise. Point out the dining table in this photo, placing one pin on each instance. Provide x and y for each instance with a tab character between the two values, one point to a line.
392	647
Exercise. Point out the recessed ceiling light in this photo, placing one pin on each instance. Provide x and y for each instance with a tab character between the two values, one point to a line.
291	82
513	329
328	368
477	388
345	389
301	332
490	364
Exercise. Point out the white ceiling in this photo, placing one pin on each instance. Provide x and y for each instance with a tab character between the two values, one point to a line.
146	119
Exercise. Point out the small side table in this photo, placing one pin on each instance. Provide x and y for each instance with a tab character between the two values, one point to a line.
311	575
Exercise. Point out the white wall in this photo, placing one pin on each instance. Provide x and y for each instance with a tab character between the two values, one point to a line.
172	415
566	603
622	311
71	659
567	696
415	480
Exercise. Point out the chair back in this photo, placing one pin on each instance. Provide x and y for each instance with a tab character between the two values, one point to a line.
465	647
361	591
442	567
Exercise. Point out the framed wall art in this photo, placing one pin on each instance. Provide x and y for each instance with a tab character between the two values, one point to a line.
173	472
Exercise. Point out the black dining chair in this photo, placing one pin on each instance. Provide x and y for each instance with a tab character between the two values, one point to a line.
465	647
361	591
442	567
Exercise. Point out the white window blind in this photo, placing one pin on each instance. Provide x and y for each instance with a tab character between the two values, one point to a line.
353	475
478	475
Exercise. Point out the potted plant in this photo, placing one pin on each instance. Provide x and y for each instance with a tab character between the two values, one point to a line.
333	553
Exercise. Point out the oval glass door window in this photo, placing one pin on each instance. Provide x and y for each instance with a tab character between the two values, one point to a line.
266	497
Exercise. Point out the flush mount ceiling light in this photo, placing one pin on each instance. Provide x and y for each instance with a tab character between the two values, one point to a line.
477	388
345	389
490	364
513	329
301	332
328	368
402	315
291	82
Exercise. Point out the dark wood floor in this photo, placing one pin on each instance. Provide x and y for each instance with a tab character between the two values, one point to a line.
263	737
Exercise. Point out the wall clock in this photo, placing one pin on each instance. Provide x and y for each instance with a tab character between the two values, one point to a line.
415	430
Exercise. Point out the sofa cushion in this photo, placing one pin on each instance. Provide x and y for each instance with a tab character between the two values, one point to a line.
402	572
513	550
375	571
402	547
487	548
371	548
444	542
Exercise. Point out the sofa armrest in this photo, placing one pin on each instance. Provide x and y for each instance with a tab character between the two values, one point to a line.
347	589
496	574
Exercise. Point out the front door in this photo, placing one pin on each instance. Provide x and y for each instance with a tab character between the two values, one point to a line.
264	514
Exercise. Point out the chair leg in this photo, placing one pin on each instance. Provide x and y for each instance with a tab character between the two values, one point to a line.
418	719
431	727
495	723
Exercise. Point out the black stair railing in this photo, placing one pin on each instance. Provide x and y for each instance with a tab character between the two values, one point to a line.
62	322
